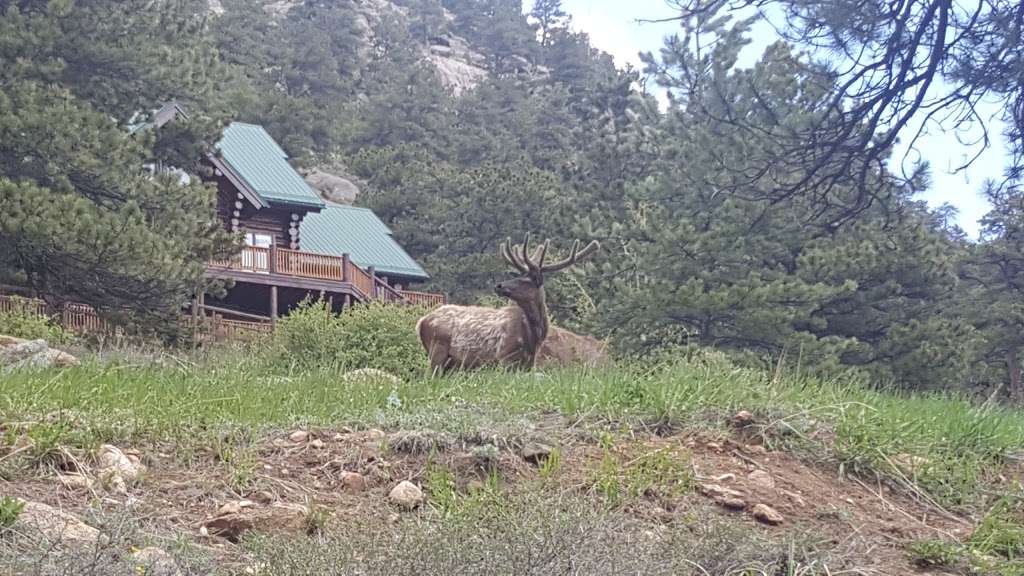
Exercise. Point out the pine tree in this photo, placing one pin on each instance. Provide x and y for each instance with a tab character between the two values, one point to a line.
80	217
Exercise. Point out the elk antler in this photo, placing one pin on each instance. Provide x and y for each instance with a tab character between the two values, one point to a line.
575	256
509	253
519	256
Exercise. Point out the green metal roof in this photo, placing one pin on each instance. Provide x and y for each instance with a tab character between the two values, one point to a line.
359	233
254	155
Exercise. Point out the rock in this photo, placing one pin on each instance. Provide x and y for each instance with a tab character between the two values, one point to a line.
723	496
761	479
55	526
264	497
16	353
153	561
767	514
909	463
795	498
276	517
742	419
75	481
457	75
353	481
317	444
299	436
441	50
332	187
234	507
116	470
231	526
756	449
371	376
536	452
407	495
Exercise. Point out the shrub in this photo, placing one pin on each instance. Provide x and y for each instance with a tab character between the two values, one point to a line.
9	511
933	553
375	335
23	320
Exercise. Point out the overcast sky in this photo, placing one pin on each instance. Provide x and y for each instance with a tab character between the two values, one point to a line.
613	27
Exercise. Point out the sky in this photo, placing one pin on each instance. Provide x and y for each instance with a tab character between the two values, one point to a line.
614	28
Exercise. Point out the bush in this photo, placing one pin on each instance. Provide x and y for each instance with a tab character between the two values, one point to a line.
23	320
376	335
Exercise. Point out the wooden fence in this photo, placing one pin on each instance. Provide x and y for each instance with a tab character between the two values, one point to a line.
82	319
75	318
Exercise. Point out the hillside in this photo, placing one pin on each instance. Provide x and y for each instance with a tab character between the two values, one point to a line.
690	467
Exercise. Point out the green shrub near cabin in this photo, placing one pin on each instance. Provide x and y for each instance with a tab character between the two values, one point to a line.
22	320
374	335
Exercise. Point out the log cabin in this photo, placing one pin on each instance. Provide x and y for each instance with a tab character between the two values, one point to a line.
296	244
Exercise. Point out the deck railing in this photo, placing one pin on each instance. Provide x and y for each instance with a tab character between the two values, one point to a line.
424	298
322	267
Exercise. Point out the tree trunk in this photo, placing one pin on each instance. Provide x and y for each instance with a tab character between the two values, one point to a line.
1013	367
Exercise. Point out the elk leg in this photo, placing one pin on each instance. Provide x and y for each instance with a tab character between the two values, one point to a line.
439	359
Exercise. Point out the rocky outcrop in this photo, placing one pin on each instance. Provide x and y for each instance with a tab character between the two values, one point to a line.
17	354
332	187
459	67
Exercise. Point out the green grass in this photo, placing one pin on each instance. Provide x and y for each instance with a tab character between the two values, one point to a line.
867	430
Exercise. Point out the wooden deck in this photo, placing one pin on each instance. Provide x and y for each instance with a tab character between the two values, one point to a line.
305	270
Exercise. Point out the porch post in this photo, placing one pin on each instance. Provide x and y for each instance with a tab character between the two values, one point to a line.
273	305
272	264
373	282
344	268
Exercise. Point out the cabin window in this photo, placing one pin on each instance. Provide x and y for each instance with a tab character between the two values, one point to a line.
258	240
257	261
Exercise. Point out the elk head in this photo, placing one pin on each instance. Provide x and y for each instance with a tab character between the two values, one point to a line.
528	288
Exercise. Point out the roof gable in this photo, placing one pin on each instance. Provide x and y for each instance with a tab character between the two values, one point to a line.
338	230
257	159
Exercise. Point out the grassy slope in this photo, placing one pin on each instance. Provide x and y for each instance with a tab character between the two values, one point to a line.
863	429
845	426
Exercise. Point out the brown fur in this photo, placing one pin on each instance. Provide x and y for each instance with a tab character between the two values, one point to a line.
459	337
565	348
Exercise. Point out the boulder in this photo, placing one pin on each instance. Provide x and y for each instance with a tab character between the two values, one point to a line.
406	495
299	437
332	187
55	526
16	354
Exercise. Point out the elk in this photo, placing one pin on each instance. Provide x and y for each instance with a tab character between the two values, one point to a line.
472	336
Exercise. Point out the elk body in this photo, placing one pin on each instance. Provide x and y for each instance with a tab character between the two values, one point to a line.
565	348
473	336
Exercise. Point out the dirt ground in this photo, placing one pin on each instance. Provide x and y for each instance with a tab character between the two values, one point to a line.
278	479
